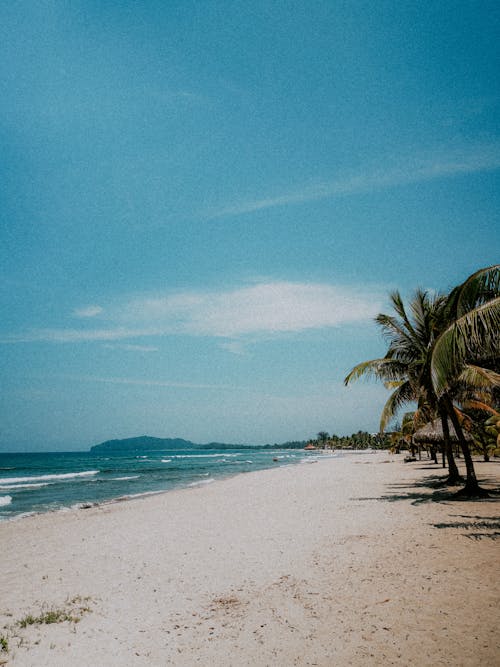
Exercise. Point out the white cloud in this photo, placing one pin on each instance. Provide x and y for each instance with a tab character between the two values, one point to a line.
413	169
256	311
88	311
265	308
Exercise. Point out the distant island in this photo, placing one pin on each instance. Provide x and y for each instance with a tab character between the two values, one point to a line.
149	443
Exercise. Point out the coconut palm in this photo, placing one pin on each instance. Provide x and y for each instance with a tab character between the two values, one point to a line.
404	436
323	438
446	350
475	424
406	367
466	355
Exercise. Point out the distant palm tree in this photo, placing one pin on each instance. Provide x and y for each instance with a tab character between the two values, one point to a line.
401	436
323	438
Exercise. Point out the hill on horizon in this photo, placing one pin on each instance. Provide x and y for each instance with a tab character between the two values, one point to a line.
149	443
142	442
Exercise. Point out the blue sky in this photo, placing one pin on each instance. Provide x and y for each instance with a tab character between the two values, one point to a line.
203	206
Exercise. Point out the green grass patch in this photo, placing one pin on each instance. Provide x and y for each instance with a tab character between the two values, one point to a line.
48	617
72	612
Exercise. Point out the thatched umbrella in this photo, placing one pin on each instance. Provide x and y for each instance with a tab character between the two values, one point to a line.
432	434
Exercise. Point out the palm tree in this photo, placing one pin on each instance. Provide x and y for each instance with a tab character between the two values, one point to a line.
323	438
466	354
448	350
406	367
403	435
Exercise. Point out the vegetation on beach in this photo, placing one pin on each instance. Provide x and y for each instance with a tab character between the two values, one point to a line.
359	440
72	611
444	356
48	617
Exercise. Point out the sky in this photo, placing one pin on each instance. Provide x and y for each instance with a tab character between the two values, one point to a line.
203	206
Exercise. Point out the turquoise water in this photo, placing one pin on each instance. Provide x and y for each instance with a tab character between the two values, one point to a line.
43	482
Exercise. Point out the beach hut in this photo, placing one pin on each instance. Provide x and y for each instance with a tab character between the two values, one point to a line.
432	434
309	446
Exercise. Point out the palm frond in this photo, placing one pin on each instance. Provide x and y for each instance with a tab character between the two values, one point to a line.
472	336
494	419
383	369
420	314
478	377
423	415
393	384
427	313
398	305
464	419
408	418
402	395
394	331
480	287
481	405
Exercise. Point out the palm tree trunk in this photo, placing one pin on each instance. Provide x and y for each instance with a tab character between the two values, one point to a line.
454	477
484	447
471	488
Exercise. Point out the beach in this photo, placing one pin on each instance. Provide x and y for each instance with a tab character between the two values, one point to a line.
348	561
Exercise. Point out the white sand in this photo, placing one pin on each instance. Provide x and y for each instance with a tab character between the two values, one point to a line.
306	565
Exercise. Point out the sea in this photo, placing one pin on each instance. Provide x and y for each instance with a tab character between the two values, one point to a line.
57	481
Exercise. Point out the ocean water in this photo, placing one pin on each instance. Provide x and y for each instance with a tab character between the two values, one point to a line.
44	482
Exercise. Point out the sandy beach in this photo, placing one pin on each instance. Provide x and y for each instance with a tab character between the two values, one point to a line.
342	562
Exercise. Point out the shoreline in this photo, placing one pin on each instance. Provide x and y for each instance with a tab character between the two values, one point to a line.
343	563
84	505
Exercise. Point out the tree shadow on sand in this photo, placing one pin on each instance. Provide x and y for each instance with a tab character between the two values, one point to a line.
435	490
476	527
480	527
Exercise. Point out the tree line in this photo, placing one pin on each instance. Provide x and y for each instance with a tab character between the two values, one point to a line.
359	440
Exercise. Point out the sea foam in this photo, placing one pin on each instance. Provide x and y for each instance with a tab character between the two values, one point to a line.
40	478
5	500
202	481
202	456
122	479
14	487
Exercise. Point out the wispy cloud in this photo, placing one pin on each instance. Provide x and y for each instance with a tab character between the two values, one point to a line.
264	308
414	169
255	311
234	346
153	383
88	311
129	347
75	335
